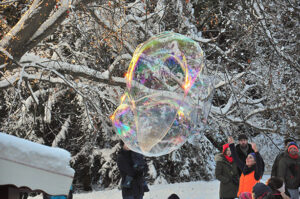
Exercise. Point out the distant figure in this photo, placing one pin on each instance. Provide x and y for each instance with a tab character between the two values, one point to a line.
277	186
173	196
279	156
70	195
245	195
252	170
132	168
46	196
58	197
289	169
227	173
23	195
243	149
261	191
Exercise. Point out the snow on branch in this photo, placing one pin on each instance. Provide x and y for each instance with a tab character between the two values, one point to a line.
262	20
261	110
5	52
62	133
105	22
9	81
17	28
65	4
29	101
232	79
254	125
225	55
232	101
51	100
227	107
119	58
75	70
36	100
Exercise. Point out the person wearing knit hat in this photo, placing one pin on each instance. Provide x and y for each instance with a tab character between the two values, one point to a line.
279	156
260	190
243	148
293	149
289	169
227	173
252	169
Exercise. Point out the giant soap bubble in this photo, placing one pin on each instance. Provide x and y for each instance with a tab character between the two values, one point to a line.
168	95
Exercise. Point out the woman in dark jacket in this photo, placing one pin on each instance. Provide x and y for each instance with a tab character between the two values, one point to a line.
252	170
227	173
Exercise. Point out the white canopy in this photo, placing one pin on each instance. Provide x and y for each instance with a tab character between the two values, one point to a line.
38	167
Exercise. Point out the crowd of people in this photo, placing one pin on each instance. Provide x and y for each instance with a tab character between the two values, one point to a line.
239	168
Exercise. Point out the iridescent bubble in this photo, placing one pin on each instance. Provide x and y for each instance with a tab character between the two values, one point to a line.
168	96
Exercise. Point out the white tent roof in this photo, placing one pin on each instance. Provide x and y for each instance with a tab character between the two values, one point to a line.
36	166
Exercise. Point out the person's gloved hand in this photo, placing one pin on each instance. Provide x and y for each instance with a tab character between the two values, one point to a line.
127	182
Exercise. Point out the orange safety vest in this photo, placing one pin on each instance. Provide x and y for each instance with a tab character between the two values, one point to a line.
247	182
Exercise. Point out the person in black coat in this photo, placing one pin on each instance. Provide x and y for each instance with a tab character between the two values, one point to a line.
243	149
132	168
279	156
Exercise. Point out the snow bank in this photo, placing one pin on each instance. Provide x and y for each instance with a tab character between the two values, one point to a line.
35	166
36	155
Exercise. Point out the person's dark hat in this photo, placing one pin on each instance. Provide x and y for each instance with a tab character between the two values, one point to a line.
287	140
275	183
260	189
173	196
242	136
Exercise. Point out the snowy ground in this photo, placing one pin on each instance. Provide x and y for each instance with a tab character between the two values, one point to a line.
189	190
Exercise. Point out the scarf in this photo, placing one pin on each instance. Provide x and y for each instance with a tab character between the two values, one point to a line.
229	159
248	170
244	149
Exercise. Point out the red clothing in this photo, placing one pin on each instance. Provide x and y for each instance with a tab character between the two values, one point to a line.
229	159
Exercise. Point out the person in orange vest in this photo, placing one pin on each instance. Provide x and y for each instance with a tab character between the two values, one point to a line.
252	170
